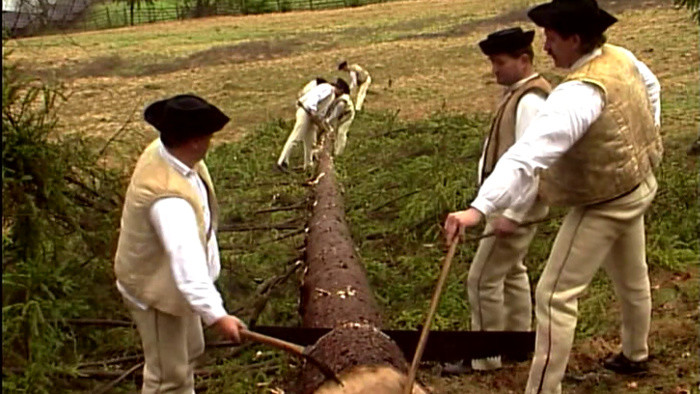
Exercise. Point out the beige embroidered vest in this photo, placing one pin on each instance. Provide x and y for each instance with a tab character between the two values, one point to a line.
362	74
620	148
141	264
341	110
502	133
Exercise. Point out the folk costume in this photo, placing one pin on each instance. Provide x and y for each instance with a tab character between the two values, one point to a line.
340	117
314	103
596	142
167	256
359	82
498	284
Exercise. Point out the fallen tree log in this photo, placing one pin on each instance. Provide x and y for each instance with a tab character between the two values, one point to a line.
335	294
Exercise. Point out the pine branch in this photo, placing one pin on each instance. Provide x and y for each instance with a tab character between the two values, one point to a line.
109	386
279	209
117	360
288	225
393	200
99	322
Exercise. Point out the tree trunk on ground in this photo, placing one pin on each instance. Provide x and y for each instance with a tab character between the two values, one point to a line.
335	292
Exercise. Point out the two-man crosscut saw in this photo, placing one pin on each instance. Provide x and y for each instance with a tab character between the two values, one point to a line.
442	345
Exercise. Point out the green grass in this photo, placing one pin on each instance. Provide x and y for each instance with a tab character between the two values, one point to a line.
399	180
401	174
117	14
435	160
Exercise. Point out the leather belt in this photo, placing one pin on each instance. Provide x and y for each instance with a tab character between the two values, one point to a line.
621	195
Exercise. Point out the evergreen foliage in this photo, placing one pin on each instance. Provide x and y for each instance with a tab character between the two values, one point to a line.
59	219
692	5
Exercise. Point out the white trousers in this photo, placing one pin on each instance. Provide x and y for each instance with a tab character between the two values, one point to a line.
341	137
610	235
498	284
171	344
362	93
304	130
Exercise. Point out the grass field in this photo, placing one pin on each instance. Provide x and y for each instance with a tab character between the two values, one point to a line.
410	159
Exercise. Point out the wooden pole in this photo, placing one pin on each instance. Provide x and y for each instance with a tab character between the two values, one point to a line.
429	319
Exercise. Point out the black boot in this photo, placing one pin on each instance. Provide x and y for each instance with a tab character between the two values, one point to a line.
622	365
282	167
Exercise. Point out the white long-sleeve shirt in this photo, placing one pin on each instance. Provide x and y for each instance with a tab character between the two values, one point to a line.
319	98
309	85
528	106
174	220
567	114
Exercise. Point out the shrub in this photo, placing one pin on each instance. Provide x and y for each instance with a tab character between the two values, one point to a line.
59	213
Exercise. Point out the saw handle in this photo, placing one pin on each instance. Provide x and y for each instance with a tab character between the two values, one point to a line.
436	299
293	349
274	342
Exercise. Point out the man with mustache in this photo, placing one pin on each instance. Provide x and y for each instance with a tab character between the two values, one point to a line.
596	142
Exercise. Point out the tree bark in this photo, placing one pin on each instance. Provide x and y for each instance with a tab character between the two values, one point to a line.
335	292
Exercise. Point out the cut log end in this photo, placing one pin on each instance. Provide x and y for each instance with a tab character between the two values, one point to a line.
375	379
347	347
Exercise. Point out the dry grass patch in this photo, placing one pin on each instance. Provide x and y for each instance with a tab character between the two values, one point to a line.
424	58
255	80
180	38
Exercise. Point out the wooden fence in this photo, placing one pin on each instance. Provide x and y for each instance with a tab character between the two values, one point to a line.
113	15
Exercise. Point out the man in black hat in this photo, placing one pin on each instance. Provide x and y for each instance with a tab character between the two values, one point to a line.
340	116
359	79
596	143
167	257
312	109
498	284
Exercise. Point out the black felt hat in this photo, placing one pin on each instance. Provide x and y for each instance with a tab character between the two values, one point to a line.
506	41
572	16
342	85
185	116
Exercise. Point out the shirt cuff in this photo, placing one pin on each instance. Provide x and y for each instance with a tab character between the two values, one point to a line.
483	206
215	313
514	215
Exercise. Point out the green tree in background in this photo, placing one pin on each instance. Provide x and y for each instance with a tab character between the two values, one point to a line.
692	5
